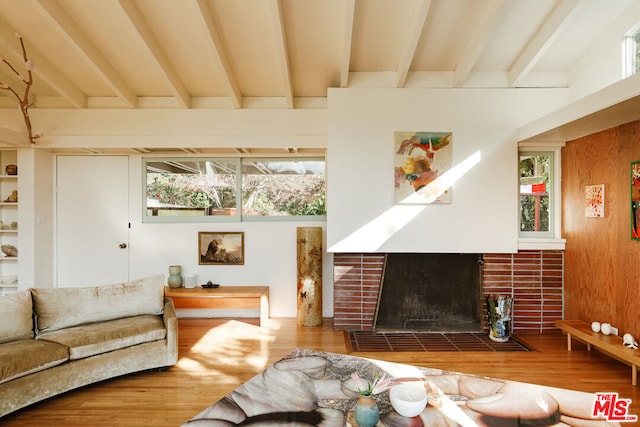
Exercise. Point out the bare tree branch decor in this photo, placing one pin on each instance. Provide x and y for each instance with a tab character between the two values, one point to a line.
23	100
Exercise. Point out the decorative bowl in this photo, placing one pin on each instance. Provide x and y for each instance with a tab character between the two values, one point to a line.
595	326
408	399
9	250
7	280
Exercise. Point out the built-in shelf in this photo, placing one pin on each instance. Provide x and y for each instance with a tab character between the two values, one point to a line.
9	265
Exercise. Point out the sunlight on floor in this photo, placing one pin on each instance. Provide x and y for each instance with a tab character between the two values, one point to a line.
224	344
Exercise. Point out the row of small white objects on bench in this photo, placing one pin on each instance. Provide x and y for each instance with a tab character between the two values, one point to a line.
627	340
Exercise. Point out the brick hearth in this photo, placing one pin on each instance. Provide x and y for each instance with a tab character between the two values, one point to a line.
533	278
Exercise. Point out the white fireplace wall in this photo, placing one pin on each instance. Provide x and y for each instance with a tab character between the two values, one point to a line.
483	214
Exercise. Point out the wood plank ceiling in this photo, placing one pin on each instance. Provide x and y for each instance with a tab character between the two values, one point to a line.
242	54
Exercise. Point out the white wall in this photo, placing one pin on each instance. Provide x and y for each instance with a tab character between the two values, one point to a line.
483	215
601	66
270	253
270	258
270	247
359	137
36	227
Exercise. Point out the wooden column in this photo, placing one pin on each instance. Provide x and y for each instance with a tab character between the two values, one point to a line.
309	261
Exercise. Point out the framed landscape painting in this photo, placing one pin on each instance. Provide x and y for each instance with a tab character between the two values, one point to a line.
220	248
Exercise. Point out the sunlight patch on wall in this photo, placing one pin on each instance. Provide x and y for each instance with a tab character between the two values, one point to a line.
371	236
434	189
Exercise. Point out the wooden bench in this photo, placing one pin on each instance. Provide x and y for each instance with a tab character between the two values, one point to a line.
611	345
226	297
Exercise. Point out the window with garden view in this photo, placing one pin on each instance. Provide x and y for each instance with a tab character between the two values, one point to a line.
631	52
188	189
535	193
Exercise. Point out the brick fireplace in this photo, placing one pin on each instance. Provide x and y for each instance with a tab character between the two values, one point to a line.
533	278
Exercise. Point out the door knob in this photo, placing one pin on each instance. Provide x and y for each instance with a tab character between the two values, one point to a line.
122	245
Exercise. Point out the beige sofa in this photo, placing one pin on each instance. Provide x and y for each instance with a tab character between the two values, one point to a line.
55	340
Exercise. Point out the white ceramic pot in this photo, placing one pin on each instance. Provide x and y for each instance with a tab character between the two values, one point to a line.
605	328
408	399
595	326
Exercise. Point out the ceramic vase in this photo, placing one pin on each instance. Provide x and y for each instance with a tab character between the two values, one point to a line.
366	412
175	276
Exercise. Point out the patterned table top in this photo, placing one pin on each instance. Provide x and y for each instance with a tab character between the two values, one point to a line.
311	388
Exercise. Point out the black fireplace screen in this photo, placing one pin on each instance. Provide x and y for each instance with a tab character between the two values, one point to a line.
430	292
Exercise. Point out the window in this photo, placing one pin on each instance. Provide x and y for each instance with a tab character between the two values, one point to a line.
536	194
631	52
272	187
232	189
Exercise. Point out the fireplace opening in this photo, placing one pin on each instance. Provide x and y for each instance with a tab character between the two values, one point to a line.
430	292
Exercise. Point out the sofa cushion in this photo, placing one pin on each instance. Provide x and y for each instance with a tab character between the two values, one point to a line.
64	307
96	338
16	319
23	357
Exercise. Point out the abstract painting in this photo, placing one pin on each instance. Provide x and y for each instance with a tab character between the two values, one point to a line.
594	201
421	158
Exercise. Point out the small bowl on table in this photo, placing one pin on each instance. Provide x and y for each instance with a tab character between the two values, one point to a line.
409	399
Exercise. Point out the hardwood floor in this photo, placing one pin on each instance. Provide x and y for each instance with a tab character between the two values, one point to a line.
217	355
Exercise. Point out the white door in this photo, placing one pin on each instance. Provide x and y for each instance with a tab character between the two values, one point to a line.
92	220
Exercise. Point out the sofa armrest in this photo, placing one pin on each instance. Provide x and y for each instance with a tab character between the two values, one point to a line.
171	324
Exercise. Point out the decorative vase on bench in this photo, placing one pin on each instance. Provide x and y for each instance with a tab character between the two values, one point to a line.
175	276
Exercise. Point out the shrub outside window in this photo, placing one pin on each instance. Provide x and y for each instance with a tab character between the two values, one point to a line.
283	187
536	194
232	189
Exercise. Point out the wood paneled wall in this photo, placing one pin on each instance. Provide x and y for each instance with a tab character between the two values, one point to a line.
602	263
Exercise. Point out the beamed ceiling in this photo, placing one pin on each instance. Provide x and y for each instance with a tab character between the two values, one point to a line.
241	54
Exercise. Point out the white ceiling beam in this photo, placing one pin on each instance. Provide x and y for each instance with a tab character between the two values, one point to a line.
540	43
190	150
74	35
173	80
349	13
216	48
13	138
478	41
43	69
414	32
282	51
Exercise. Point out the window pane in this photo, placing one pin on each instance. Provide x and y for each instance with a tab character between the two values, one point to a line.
283	187
631	52
535	188
188	187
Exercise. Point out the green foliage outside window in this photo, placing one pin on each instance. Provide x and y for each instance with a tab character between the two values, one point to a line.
534	202
183	187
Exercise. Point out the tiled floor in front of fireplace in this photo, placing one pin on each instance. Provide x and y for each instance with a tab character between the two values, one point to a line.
426	341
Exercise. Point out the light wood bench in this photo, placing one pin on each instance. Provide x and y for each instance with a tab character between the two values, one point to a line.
611	345
226	297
